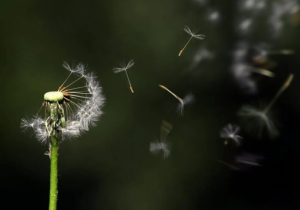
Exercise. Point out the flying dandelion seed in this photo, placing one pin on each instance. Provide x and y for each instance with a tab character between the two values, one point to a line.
76	108
193	35
162	145
188	99
125	68
259	119
230	132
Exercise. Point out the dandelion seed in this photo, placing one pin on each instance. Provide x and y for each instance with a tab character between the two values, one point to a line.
125	68
189	98
158	146
162	145
61	120
230	132
193	35
259	119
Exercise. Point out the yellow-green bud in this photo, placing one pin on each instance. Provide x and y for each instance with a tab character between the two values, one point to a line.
54	96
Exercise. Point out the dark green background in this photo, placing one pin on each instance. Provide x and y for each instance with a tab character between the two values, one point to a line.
110	167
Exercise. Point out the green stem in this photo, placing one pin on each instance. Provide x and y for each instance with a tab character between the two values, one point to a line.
53	173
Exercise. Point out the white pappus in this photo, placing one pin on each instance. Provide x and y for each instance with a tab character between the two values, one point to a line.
78	108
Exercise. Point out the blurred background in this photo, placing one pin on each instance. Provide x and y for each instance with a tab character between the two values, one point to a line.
111	166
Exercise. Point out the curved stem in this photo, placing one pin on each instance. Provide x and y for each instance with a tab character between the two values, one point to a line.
53	173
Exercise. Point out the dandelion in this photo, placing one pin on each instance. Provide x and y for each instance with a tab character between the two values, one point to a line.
125	68
69	112
260	118
193	35
230	132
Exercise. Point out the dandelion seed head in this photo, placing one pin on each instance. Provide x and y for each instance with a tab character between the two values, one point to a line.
123	67
86	110
230	132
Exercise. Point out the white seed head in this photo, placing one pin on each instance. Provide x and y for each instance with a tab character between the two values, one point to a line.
123	67
82	116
